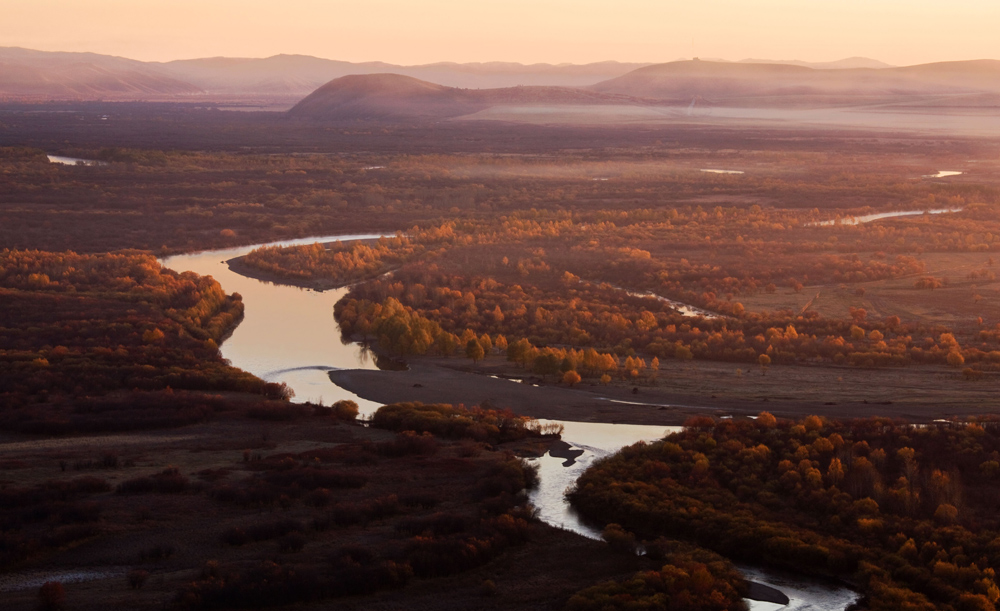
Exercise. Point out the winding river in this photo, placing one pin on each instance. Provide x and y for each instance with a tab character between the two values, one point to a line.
289	335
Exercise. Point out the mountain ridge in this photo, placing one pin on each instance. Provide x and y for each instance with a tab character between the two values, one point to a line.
288	76
732	82
399	97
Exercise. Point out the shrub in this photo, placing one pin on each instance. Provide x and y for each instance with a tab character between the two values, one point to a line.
509	477
349	514
437	525
157	552
443	420
51	596
409	443
310	478
169	481
431	557
321	497
619	539
423	500
357	571
64	535
241	535
488	588
946	514
137	578
293	542
345	410
684	583
278	411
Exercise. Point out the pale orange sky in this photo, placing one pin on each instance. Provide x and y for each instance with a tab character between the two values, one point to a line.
899	32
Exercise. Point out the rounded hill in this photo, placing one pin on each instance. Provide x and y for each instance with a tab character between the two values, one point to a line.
384	96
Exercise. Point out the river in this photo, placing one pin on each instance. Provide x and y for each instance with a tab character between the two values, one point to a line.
867	218
288	334
73	161
682	308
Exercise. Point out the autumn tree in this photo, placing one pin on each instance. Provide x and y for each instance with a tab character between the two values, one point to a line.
765	362
474	350
571	378
486	343
500	343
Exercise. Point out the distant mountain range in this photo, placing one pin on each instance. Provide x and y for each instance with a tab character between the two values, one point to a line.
87	76
942	87
849	62
327	90
301	74
83	76
25	73
746	84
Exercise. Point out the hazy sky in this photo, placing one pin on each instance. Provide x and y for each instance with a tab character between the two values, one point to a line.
420	31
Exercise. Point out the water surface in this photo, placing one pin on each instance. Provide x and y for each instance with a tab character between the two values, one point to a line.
867	218
73	160
681	307
596	440
288	334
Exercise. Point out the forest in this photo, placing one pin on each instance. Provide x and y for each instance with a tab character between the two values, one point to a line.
463	280
906	512
114	342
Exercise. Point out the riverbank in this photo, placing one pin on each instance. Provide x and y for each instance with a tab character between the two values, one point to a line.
918	394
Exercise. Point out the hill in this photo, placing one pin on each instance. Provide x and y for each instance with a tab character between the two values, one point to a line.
398	97
725	83
840	64
280	74
384	96
66	76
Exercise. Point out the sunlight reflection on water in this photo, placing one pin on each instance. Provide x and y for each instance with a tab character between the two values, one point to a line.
288	334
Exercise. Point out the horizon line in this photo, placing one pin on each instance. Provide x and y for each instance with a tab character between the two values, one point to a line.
494	61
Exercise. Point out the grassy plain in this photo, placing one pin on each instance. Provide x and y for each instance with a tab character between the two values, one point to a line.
172	536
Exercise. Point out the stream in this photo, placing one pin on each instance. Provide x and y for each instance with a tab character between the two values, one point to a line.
867	218
73	161
288	334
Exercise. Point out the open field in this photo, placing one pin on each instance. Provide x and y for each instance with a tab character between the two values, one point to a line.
959	302
172	536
